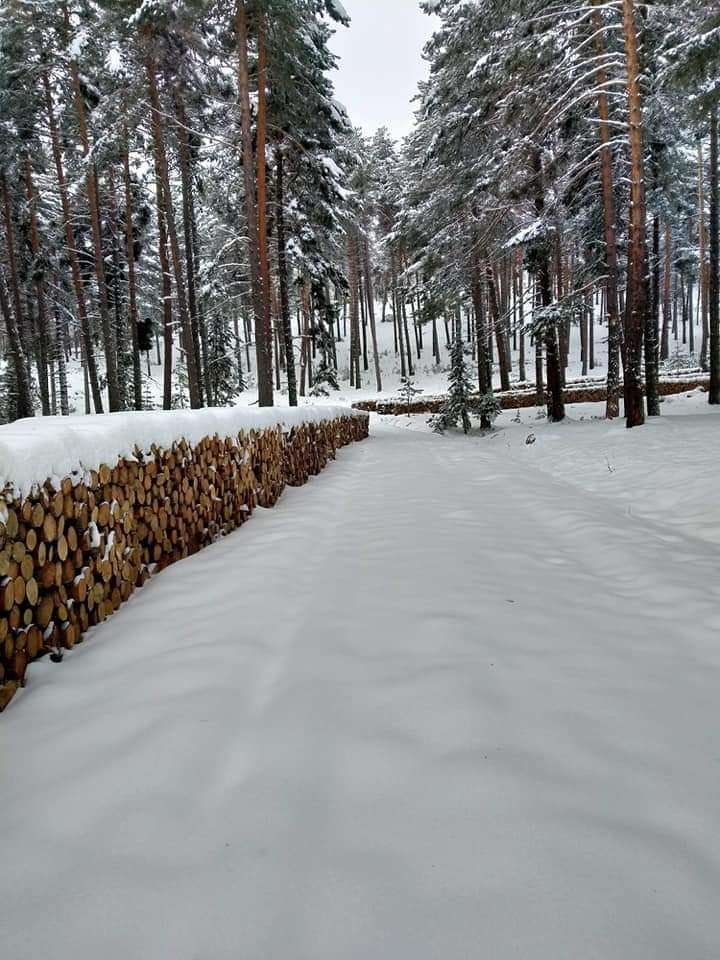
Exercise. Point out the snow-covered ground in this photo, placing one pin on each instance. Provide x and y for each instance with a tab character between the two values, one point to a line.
455	698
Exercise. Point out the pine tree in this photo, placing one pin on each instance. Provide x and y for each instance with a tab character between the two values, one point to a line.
461	403
408	392
456	408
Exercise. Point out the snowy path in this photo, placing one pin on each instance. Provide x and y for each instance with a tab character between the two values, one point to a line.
459	734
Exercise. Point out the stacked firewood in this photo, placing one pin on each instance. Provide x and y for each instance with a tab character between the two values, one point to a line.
69	556
524	397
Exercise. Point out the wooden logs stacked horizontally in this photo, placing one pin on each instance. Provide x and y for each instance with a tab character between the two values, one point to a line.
72	552
524	397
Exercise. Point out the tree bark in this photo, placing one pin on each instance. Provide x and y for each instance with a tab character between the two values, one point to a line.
555	402
24	404
520	293
702	244
667	305
637	307
132	297
612	408
167	209
167	308
714	264
265	394
263	340
353	280
283	280
62	367
43	333
72	251
109	345
497	327
485	385
188	219
370	297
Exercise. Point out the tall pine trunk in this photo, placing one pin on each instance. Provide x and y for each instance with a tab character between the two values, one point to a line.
353	281
498	328
714	264
702	277
91	365
43	333
161	166
109	344
667	304
132	295
261	178
612	408
24	404
485	387
263	340
637	307
61	364
166	304
283	280
555	402
370	297
188	224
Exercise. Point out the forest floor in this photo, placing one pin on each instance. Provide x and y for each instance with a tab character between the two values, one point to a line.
455	698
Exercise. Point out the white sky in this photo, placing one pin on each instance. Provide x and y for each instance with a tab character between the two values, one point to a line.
381	62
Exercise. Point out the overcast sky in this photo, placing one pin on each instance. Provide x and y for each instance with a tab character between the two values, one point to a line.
381	62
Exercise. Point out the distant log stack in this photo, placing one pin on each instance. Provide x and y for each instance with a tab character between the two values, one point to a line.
71	554
581	392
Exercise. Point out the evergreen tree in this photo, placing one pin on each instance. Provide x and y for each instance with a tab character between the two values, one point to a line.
461	403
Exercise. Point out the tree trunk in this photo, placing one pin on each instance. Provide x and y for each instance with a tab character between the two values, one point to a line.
263	340
520	290
72	251
555	402
353	280
667	305
370	297
638	312
188	219
485	386
167	209
130	253
702	278
406	332
167	307
612	408
497	327
43	333
714	264
62	368
109	345
283	280
24	404
265	389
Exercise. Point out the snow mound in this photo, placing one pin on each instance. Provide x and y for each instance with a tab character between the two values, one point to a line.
48	448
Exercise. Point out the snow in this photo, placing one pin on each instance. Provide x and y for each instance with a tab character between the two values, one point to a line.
113	61
34	450
440	702
339	11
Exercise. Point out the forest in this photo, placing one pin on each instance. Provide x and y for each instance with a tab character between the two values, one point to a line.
341	615
190	215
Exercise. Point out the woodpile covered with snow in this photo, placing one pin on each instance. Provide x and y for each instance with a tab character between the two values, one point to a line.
582	392
74	547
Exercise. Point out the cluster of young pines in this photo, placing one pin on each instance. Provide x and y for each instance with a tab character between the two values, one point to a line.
69	557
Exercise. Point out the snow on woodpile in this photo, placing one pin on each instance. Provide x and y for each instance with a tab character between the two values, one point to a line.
33	451
111	500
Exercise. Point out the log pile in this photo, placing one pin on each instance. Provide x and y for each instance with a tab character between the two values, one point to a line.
522	398
72	552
